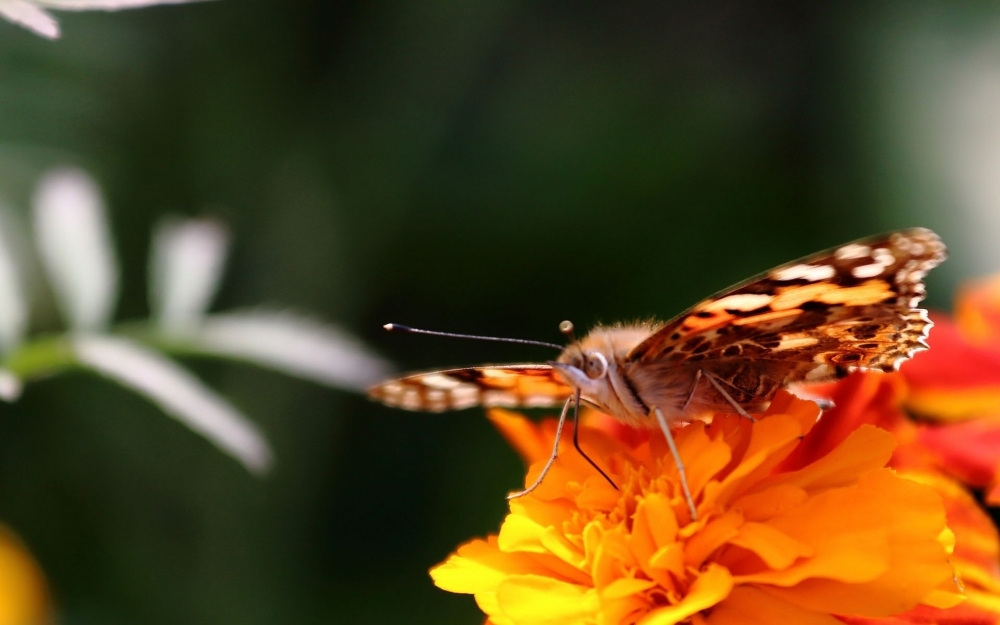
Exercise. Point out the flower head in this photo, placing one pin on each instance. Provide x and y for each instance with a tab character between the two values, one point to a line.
839	535
956	387
874	399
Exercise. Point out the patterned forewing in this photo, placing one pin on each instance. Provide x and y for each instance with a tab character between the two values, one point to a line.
850	307
511	386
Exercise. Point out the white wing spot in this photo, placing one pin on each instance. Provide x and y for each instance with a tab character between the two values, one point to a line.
411	400
796	341
868	271
493	398
852	250
465	396
883	256
540	401
440	381
742	302
813	273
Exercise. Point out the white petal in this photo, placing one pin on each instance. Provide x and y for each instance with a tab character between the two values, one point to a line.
106	5
13	303
30	16
294	345
177	393
187	259
10	386
72	234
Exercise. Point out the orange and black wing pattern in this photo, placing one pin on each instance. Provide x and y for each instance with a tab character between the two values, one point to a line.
851	307
511	386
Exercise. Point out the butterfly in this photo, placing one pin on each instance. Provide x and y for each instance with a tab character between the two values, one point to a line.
816	319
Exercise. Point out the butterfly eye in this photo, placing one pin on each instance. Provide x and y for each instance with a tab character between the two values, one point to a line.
596	366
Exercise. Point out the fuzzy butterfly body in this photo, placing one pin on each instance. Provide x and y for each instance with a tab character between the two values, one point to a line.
812	320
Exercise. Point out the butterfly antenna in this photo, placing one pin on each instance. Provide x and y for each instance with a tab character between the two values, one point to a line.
395	327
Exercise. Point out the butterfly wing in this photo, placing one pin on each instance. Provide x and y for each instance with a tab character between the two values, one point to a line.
512	386
851	307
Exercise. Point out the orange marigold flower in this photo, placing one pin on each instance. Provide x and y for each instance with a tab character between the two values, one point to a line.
877	399
840	535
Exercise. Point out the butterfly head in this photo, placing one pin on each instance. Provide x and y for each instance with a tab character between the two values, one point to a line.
584	369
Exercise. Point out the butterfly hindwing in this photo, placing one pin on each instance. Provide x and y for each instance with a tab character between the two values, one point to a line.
512	386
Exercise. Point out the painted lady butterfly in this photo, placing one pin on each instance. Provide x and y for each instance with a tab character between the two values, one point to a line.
812	320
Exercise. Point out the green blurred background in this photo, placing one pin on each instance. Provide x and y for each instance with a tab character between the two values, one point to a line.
489	167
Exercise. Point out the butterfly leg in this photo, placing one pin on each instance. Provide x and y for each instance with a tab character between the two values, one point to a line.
694	385
552	458
714	379
576	441
681	471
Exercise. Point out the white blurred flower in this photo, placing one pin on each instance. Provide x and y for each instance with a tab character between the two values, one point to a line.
177	393
73	238
294	344
186	262
13	303
32	14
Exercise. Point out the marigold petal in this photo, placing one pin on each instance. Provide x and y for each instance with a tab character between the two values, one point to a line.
713	535
924	615
977	310
969	450
523	434
626	586
805	411
944	598
872	398
670	559
712	586
540	600
520	532
478	566
864	449
654	524
914	563
747	605
955	379
983	603
623	601
992	494
777	549
659	518
704	457
977	549
769	441
770	502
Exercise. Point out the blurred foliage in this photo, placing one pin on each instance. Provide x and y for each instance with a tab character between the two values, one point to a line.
490	167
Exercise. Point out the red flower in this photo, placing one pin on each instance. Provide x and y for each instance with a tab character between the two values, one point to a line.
956	385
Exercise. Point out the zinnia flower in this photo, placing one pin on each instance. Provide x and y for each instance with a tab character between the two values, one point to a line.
839	535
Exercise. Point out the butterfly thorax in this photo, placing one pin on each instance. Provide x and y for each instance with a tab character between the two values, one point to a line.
602	366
